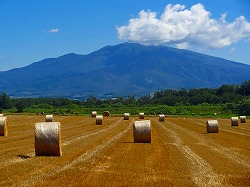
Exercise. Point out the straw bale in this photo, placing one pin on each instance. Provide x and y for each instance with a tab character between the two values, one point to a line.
234	121
106	113
161	117
48	139
3	126
212	126
141	115
93	114
142	131
49	118
126	116
99	120
243	119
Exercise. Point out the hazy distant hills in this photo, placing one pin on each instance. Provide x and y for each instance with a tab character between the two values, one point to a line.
124	69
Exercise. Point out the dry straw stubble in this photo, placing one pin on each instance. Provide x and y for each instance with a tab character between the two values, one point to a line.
212	126
48	139
3	126
142	131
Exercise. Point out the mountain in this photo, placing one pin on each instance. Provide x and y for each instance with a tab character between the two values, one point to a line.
124	69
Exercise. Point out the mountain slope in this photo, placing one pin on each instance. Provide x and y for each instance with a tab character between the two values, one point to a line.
122	69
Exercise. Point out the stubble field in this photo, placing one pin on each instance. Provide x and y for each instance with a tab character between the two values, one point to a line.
181	154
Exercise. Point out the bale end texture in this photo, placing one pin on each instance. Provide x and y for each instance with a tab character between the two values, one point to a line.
142	131
212	126
141	115
3	126
93	114
48	139
49	118
106	113
99	120
234	121
126	116
243	119
161	117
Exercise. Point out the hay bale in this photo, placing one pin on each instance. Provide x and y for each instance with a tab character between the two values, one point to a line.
142	131
3	126
126	116
141	115
234	121
99	120
1	115
161	117
212	126
93	114
106	113
48	139
49	118
243	119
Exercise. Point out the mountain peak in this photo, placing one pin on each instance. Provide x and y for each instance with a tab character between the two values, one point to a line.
123	69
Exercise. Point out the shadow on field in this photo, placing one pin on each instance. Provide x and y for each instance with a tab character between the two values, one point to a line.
128	142
24	156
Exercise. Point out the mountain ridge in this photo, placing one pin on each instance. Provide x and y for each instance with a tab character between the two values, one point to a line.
121	70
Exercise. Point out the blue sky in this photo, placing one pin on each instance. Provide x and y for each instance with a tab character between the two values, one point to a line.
34	30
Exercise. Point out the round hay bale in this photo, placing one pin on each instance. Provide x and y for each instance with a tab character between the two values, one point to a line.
93	114
141	115
48	139
142	131
99	120
3	126
243	119
126	116
234	121
49	118
161	117
106	113
212	126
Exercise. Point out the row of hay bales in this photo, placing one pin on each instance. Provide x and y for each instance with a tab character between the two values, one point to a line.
48	133
213	125
125	115
141	129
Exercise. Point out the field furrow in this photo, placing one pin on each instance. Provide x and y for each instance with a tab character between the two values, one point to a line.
181	154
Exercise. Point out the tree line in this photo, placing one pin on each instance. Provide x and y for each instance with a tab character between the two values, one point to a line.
233	97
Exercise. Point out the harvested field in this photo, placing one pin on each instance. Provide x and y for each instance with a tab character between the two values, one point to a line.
181	153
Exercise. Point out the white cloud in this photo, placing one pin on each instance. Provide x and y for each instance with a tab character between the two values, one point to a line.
184	28
56	30
231	50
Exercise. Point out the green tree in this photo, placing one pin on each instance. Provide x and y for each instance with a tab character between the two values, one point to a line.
245	88
244	108
5	101
20	106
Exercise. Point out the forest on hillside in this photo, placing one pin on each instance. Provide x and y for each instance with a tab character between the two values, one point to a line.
226	99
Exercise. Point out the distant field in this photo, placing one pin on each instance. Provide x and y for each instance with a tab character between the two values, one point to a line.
181	154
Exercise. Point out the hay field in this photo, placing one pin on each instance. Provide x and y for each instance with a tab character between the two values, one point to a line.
181	154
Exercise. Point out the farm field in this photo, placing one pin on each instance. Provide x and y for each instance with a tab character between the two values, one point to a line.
181	153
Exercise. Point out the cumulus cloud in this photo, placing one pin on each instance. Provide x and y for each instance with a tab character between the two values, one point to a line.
56	30
184	28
